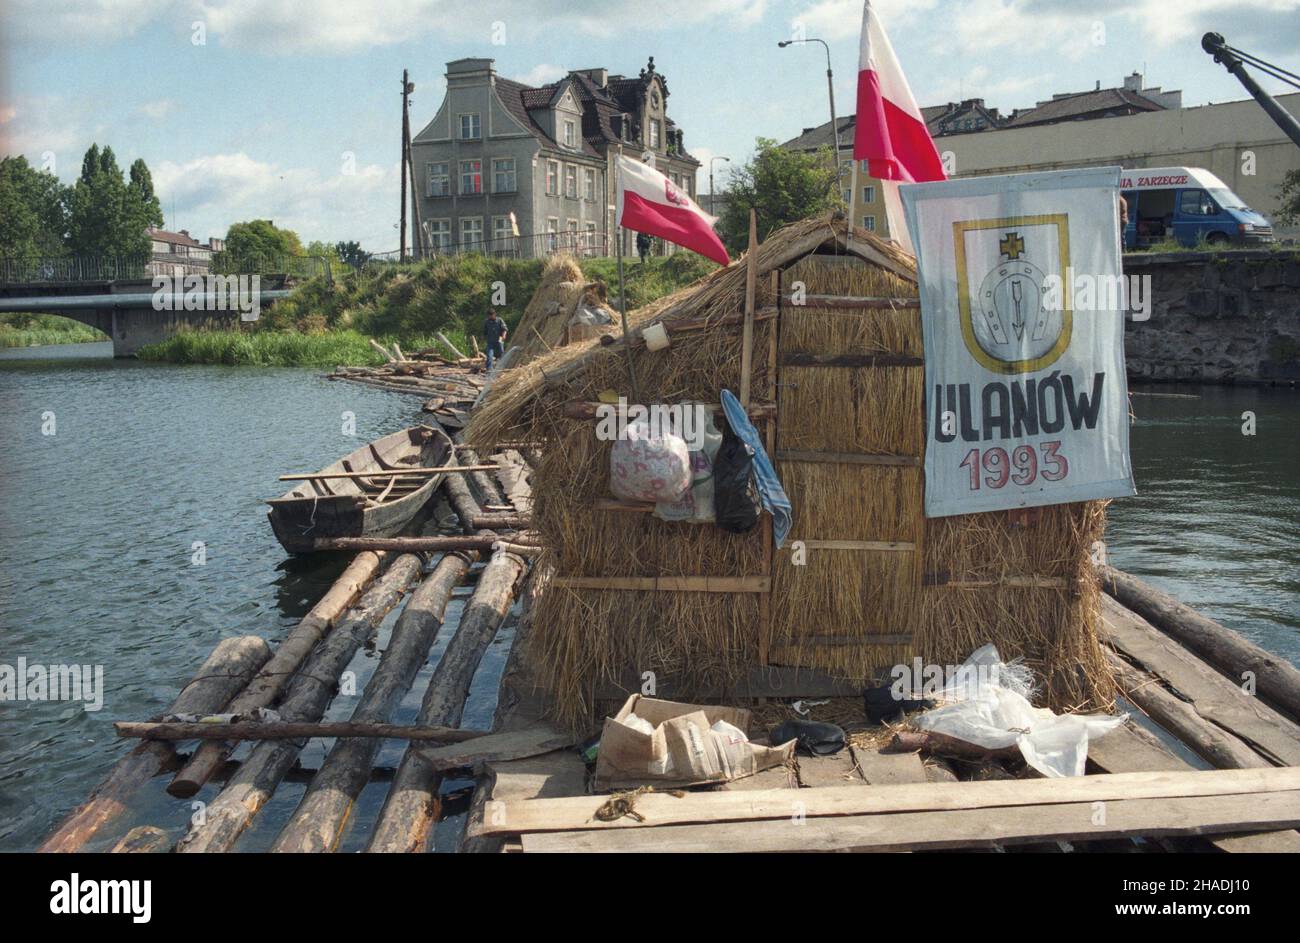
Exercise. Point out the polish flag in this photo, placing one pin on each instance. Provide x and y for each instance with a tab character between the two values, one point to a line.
891	135
649	202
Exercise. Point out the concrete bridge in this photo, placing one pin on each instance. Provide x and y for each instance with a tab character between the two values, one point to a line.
132	306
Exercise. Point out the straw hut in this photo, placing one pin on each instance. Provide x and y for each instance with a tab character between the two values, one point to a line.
864	580
548	321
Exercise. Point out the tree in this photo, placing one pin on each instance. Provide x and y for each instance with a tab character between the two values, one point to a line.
106	216
1289	212
260	239
33	214
351	253
783	186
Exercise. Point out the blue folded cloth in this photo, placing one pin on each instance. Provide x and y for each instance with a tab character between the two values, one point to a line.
770	491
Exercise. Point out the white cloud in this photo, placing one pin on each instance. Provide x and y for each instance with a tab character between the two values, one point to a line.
213	191
842	19
77	21
157	110
540	74
50	130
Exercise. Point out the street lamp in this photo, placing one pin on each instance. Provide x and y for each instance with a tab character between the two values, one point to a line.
711	160
830	89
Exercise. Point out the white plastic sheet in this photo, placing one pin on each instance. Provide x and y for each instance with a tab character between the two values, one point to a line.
986	703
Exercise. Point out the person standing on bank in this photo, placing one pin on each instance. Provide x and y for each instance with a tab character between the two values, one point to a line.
494	331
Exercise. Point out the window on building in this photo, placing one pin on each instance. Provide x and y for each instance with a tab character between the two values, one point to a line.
570	134
571	181
869	223
592	241
439	234
471	233
439	180
589	184
469	127
502	236
471	176
503	175
847	195
571	237
552	233
552	177
654	132
868	194
864	167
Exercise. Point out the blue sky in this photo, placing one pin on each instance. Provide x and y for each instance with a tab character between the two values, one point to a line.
290	109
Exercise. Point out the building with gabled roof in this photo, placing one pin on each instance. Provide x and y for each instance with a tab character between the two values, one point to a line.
514	169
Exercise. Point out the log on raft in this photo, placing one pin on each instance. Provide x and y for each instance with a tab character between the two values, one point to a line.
1208	741
1277	681
317	824
305	699
273	676
223	674
424	544
286	730
412	804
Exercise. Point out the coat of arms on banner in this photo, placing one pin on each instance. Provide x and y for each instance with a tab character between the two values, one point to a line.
1003	271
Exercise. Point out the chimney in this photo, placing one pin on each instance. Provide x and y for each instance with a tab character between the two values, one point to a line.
1133	82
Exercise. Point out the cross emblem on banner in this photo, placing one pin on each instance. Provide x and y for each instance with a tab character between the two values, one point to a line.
1011	245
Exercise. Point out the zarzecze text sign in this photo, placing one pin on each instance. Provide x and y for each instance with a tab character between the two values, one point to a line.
1022	306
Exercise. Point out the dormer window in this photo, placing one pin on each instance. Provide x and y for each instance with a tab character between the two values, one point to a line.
570	134
470	129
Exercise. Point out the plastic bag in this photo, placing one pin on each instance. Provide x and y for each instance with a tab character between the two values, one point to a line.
987	704
735	491
696	505
645	467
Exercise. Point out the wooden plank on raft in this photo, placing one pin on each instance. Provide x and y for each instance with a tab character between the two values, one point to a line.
847	458
1131	749
669	584
1212	696
496	747
288	730
929	831
660	809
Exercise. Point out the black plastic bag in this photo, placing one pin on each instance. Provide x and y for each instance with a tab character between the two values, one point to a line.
736	503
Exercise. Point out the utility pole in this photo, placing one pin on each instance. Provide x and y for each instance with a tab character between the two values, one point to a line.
406	132
417	232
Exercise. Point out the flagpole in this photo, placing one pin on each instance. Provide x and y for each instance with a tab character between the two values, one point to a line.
622	285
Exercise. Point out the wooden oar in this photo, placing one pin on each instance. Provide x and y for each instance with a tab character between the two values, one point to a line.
388	473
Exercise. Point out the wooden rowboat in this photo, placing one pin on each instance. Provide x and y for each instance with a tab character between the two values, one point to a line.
365	506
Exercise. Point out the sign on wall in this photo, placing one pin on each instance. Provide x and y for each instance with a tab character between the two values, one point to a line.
1022	308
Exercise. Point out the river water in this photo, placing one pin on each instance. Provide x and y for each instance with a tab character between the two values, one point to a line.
99	523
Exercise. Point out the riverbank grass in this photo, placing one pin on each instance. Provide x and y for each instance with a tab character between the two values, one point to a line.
39	330
269	348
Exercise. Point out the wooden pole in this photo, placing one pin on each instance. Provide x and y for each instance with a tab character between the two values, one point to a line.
488	492
406	130
388	473
450	346
751	287
318	823
305	699
224	672
1277	681
289	654
280	730
412	805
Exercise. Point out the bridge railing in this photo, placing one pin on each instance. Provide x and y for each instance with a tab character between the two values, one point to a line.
96	268
73	268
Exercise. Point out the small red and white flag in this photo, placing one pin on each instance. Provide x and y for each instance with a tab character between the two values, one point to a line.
649	202
891	135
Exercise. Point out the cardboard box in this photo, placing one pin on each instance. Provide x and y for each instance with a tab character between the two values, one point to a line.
683	750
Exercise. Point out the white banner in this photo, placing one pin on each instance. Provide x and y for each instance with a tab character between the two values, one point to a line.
1022	306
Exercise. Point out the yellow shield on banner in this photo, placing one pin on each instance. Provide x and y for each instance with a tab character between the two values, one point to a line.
1011	319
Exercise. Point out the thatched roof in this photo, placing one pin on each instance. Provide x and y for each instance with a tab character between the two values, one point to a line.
717	294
